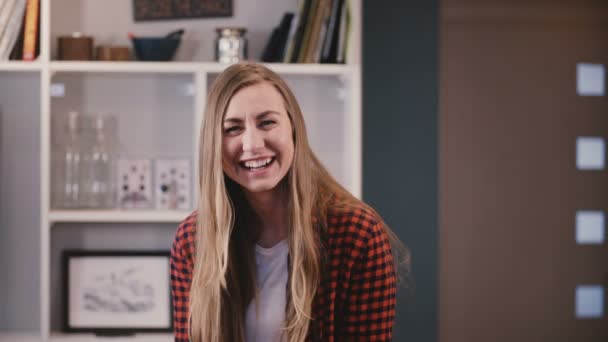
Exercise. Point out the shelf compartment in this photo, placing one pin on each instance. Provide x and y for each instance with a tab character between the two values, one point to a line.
155	112
126	216
109	236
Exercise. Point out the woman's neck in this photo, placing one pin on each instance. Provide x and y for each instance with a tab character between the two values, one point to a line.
271	208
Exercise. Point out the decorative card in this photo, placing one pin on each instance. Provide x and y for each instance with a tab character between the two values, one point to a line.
172	184
134	183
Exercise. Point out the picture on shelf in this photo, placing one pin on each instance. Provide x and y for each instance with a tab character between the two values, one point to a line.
117	291
135	183
172	183
180	9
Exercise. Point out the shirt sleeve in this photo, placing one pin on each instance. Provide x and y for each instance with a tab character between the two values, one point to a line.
181	277
371	299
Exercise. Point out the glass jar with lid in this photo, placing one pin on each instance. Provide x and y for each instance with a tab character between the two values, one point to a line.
230	45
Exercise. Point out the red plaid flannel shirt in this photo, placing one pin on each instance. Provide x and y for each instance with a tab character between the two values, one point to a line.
357	295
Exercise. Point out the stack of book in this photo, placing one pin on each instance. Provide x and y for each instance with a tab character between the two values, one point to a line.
19	34
316	34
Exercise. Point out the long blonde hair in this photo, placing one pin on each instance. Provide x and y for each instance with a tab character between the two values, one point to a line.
223	281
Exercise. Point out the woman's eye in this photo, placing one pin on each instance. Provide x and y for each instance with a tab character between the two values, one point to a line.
267	123
231	130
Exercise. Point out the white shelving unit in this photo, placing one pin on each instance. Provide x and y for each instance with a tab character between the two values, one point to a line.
20	66
158	98
118	216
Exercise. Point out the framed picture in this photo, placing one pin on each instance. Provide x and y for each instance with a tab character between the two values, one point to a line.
180	9
117	292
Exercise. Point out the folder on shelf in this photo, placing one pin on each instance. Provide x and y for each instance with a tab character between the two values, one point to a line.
17	52
6	9
273	52
12	29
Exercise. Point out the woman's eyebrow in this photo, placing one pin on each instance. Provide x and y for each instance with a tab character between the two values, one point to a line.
258	116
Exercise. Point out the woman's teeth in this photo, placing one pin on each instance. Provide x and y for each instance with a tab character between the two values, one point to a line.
256	164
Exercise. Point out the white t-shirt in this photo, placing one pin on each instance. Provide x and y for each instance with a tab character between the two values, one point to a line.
272	282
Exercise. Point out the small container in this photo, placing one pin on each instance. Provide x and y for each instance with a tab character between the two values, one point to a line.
120	53
75	47
157	48
112	53
103	53
230	45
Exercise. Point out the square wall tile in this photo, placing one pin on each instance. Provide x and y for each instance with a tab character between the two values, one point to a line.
590	79
590	153
589	301
590	227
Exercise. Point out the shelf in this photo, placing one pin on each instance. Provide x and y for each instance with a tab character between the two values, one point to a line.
125	67
20	66
296	68
132	216
190	67
162	337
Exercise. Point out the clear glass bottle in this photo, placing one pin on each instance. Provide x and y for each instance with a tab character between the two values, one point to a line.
68	163
100	160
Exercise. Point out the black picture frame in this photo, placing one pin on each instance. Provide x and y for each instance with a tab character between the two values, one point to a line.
116	292
148	10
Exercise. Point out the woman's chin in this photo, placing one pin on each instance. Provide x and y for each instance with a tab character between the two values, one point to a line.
259	187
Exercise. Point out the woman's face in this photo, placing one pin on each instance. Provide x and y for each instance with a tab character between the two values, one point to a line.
257	141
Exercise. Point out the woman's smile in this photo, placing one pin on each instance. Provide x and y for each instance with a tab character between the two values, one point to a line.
257	164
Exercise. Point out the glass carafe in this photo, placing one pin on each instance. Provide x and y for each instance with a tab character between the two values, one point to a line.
67	163
100	162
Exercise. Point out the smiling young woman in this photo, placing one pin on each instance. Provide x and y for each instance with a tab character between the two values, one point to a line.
277	250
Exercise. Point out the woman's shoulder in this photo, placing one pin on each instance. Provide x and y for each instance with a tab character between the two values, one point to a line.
184	236
353	218
188	225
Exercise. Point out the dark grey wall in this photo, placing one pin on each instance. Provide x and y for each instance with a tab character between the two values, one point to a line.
400	145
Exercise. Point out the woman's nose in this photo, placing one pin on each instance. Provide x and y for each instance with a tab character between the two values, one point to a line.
252	140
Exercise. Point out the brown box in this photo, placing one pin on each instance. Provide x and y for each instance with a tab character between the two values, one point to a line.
121	53
112	53
104	53
75	48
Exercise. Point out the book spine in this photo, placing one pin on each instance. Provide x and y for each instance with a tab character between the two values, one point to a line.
340	53
283	36
308	31
323	32
315	32
298	39
331	34
31	30
292	32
